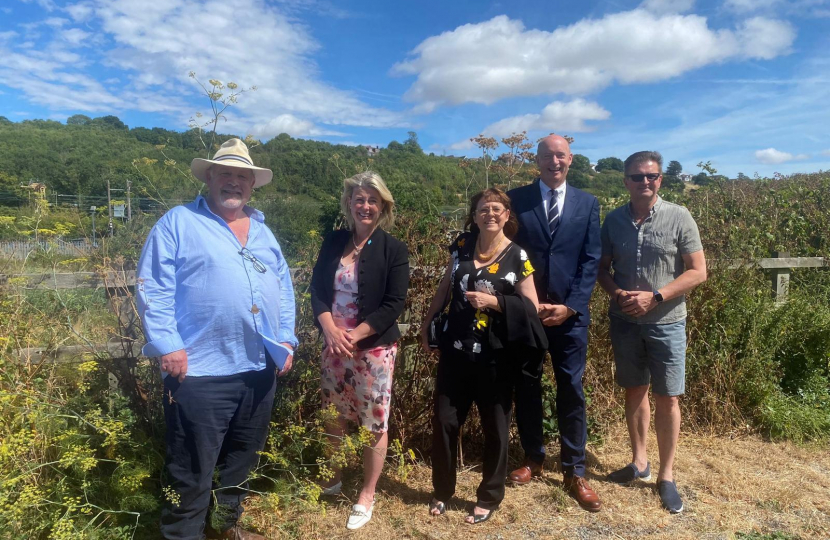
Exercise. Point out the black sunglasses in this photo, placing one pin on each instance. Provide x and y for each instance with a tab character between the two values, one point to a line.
641	177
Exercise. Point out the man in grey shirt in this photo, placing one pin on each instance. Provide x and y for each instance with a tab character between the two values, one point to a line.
651	257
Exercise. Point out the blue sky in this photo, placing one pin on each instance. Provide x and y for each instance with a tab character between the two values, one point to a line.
744	84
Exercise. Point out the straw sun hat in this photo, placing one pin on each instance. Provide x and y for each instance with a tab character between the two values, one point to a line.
232	153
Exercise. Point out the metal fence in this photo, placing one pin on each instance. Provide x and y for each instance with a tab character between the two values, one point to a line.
21	250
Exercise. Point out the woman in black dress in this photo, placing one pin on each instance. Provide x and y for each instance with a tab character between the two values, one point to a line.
492	319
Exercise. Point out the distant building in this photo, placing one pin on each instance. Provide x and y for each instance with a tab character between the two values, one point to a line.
371	151
685	177
36	187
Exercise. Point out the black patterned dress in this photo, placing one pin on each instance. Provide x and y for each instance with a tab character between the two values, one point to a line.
467	327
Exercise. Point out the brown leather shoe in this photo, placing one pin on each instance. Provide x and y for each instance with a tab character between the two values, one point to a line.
526	472
238	533
580	490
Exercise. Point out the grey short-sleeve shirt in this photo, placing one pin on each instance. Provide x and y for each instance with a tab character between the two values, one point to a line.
648	256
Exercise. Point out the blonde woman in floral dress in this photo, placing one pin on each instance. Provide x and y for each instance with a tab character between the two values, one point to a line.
358	290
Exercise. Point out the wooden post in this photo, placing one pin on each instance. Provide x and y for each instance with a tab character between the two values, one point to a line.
109	208
129	204
780	278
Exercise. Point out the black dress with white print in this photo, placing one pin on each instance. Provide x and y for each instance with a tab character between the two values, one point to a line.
467	327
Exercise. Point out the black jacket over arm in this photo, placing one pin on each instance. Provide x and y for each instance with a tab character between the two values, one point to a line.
383	278
517	325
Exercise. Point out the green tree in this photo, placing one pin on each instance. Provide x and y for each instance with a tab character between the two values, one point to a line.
10	192
673	182
701	179
579	179
78	120
108	121
674	168
580	163
610	164
411	143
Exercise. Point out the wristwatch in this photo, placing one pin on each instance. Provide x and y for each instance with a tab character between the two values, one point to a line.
657	296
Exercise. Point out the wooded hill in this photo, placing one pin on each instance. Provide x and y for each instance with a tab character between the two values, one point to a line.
77	158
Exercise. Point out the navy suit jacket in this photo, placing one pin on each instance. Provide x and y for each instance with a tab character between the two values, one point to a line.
566	265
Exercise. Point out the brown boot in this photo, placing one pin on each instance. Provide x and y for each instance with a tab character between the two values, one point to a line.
238	533
579	489
526	472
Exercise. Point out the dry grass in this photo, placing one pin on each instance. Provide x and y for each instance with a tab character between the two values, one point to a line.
728	485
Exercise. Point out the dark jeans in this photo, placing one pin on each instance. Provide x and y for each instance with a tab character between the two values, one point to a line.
214	424
568	349
459	384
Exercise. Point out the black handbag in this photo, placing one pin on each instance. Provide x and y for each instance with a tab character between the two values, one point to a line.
439	322
436	329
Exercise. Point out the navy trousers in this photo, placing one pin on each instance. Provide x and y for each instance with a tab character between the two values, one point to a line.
215	427
568	348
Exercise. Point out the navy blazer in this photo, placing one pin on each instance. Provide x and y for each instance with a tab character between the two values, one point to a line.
383	278
566	265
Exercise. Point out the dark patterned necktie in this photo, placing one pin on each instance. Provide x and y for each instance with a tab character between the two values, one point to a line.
553	212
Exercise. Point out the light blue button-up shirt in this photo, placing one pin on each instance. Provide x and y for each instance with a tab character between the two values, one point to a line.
196	292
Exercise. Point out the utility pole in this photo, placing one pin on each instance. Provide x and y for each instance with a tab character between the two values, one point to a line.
109	207
129	206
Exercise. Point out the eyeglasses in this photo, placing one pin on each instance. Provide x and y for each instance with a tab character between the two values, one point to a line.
248	256
486	211
641	177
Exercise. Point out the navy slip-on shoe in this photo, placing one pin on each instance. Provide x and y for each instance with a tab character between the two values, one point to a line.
629	473
669	496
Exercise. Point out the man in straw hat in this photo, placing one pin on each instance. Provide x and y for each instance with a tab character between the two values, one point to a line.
215	296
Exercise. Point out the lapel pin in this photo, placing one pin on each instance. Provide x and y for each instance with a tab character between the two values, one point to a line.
369	242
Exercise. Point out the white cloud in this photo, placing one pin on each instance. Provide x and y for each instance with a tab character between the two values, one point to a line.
796	8
559	116
79	12
466	144
274	53
74	36
500	58
288	123
48	5
667	6
55	22
826	152
777	37
773	156
152	51
742	6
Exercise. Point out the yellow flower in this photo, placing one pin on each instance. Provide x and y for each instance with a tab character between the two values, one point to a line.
528	269
481	320
493	268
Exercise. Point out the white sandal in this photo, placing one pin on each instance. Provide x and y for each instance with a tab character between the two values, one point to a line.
359	516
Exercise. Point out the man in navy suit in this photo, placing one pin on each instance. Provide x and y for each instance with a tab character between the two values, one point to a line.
559	230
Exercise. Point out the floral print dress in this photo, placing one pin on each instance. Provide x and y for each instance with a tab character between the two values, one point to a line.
359	387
